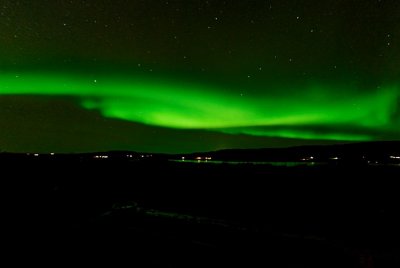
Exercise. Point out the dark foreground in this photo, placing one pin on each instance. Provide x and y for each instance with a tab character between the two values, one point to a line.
157	213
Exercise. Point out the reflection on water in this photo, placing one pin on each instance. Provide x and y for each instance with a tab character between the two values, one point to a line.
277	164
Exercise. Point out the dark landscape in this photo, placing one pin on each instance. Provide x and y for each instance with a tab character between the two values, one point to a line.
147	209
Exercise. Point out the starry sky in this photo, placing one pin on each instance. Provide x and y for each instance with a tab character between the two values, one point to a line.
183	76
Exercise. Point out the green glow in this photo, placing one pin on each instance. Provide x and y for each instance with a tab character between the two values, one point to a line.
189	105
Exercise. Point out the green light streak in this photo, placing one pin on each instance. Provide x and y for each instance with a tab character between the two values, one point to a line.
188	105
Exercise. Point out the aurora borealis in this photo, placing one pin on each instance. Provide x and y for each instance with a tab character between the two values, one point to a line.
266	73
188	106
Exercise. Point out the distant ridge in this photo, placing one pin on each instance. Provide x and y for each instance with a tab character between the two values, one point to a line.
370	150
384	152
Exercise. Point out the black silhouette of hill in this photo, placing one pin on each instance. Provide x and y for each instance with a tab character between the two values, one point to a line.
371	150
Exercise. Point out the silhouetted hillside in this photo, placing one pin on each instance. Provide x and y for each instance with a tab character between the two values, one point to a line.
356	151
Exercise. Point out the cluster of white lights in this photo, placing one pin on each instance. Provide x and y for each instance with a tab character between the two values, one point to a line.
101	156
203	158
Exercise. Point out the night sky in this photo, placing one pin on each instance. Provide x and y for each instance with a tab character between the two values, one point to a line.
193	75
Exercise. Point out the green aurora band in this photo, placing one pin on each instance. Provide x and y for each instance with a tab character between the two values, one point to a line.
183	104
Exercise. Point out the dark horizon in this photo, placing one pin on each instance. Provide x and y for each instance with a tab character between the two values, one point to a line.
375	148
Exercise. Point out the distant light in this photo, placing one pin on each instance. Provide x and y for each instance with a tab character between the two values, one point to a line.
183	158
394	157
198	158
36	154
101	156
335	158
52	153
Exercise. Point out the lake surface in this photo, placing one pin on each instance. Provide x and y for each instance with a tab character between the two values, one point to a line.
277	164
